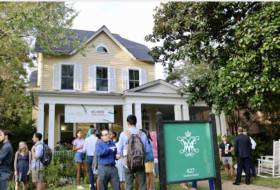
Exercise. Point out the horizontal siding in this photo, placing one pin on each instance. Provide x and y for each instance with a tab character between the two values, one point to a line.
118	124
115	58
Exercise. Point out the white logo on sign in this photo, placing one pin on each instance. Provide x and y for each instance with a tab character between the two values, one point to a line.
188	141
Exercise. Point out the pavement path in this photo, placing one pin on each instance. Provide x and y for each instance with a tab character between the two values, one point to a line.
227	185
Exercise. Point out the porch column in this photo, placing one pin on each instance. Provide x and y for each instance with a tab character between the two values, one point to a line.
178	112
186	113
138	115
51	125
75	129
223	123
127	110
218	125
40	119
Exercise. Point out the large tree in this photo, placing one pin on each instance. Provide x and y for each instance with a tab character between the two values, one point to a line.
20	24
239	40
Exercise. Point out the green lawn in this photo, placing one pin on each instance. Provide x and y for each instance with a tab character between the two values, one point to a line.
170	187
268	182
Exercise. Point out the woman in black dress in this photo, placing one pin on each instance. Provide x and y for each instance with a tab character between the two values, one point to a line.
22	166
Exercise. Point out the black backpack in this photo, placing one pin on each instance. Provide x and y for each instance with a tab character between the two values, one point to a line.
47	155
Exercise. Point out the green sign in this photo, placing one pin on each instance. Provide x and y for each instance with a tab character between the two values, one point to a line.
189	151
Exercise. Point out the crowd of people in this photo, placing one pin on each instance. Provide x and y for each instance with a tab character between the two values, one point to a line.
111	158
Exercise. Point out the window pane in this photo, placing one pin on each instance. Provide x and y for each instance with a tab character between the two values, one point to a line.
102	50
131	85
64	70
102	85
99	72
131	75
67	83
136	73
136	84
105	73
67	70
71	70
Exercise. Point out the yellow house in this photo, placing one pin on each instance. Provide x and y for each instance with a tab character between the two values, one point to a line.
116	78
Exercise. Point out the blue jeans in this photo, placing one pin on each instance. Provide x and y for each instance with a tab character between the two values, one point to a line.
91	175
211	184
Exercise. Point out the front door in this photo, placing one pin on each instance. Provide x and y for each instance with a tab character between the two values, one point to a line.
146	122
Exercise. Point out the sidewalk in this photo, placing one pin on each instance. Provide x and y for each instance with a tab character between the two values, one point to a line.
227	185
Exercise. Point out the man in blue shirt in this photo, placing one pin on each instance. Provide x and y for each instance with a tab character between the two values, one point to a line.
129	173
6	154
107	171
37	166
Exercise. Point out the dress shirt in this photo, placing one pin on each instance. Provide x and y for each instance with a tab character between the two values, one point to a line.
254	144
104	153
124	138
6	155
38	153
89	146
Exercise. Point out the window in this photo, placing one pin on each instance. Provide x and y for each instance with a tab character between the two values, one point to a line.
66	130
102	79
101	49
133	78
67	77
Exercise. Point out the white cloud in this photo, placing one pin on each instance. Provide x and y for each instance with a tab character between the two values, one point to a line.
132	20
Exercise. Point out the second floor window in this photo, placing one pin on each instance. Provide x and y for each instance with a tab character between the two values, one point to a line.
67	77
102	79
133	78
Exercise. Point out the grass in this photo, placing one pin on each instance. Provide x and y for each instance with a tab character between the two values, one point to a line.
268	182
169	187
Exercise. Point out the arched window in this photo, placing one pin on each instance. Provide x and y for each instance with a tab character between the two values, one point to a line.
101	48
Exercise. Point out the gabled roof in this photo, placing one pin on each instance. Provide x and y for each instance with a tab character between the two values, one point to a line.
159	86
134	50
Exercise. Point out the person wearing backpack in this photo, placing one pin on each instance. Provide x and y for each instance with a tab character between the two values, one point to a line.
133	145
37	167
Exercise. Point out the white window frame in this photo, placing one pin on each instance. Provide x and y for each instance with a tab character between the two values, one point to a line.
66	63
101	45
108	74
140	76
149	120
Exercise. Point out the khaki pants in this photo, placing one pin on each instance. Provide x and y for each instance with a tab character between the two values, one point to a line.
38	173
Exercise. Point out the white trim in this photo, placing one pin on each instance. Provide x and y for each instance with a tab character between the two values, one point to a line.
66	63
101	45
104	29
108	74
42	68
135	68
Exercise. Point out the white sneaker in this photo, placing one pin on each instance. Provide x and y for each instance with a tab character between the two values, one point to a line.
89	185
80	187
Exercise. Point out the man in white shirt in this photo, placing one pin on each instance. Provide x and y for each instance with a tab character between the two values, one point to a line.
254	144
89	148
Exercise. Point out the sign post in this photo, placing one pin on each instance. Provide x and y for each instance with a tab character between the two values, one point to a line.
187	151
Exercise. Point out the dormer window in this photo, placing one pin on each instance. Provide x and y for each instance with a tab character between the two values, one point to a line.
101	48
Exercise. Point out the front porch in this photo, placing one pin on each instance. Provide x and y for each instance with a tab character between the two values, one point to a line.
151	97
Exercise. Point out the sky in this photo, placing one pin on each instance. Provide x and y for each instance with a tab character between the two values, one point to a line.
132	20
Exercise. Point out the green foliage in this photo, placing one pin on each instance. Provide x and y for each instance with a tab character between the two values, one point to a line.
183	72
49	23
239	40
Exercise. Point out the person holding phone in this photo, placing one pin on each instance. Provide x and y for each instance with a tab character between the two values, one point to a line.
107	170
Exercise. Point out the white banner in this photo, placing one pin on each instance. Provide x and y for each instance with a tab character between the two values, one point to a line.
89	114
